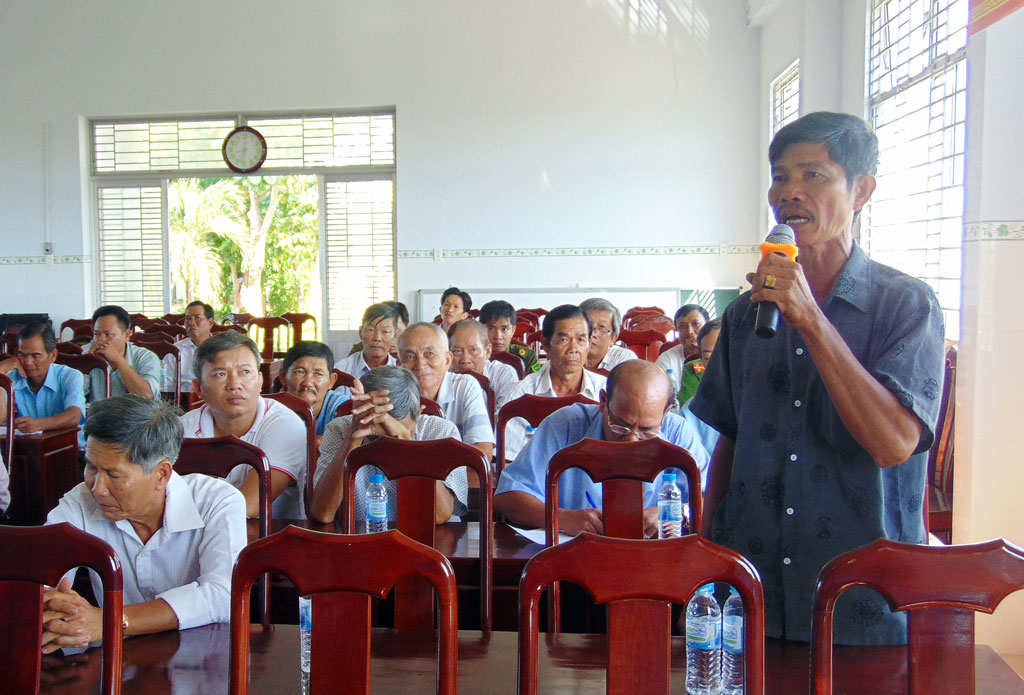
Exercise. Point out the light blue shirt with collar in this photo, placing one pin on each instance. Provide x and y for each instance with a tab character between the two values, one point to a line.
568	426
331	402
61	389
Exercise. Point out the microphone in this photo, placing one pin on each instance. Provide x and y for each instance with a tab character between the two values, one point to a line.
780	240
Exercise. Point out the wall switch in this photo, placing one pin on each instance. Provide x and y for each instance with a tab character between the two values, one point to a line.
48	248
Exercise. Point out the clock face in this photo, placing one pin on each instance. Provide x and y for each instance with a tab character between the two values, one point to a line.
244	149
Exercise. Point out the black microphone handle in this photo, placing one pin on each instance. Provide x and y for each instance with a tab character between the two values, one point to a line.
767	319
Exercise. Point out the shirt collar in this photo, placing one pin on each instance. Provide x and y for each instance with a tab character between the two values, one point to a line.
20	383
589	387
205	426
180	511
853	284
446	392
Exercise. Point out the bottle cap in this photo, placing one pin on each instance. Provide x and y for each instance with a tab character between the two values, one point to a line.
376	477
707	589
669	477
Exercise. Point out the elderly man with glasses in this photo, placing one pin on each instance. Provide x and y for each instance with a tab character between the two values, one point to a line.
634	405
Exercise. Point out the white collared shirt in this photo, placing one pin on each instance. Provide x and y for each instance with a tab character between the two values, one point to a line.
539	384
462	401
616	355
281	435
187	350
503	379
187	562
355	364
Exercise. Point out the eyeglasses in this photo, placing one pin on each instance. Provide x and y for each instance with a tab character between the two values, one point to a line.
623	431
602	331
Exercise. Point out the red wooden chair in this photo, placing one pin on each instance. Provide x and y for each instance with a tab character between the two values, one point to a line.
485	384
639	580
175	331
646	344
533	409
162	350
662	324
415	465
522	330
79	328
85	364
621	468
296	320
527	316
238	318
147	324
23	572
514	361
939	509
174	319
217	328
940	588
305	413
146	339
7	386
667	346
538	311
269	325
535	341
69	348
643	310
348	571
344	378
217	457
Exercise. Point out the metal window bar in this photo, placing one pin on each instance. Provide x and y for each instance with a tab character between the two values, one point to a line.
785	91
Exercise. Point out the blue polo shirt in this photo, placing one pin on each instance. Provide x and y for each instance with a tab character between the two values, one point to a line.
62	388
331	402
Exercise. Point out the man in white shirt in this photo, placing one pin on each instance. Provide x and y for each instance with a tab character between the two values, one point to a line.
423	350
133	369
377	333
229	381
471	352
176	537
606	324
567	334
198	323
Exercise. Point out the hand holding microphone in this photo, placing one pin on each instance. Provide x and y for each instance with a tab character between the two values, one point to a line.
780	240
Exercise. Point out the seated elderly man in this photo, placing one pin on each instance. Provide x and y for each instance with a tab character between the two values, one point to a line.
177	537
634	406
48	396
133	369
377	332
389	408
308	373
689	319
567	334
500	318
606	322
228	379
423	350
455	306
401	321
467	340
198	322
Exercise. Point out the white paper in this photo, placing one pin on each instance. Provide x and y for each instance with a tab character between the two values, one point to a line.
538	535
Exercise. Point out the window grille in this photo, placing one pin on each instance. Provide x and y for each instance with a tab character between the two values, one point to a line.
785	97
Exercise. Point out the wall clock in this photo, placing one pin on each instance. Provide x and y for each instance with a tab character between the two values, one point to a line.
244	150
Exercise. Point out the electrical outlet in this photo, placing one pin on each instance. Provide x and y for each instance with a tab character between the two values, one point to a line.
48	248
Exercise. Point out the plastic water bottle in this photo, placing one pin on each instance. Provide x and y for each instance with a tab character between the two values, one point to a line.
305	632
703	643
670	508
675	388
528	435
732	644
376	504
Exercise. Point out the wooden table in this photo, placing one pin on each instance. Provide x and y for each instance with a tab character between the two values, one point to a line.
45	466
197	661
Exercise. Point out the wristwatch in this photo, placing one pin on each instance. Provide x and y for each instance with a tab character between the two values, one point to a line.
124	624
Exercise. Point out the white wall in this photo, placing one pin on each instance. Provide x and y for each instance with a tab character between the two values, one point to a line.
519	125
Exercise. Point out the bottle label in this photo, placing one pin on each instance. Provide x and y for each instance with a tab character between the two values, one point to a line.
377	510
305	613
670	510
703	634
732	633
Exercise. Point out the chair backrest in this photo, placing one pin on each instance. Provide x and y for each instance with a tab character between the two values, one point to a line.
485	384
79	327
514	361
641	310
148	339
415	465
523	329
348	571
296	320
7	386
162	350
646	344
667	346
344	379
429	407
528	317
639	580
220	328
940	456
147	324
940	588
23	572
172	329
539	312
535	341
662	324
533	409
269	326
305	413
69	348
178	319
238	318
85	364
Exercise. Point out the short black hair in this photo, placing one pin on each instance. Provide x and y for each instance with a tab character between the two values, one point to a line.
42	329
850	142
712	325
377	312
207	309
307	348
402	310
560	313
497	309
467	301
113	310
690	308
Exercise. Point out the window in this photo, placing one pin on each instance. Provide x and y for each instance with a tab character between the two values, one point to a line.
917	93
352	155
785	97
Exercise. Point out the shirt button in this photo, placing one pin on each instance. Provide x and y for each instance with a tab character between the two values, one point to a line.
792	457
789	510
797	403
786	561
799	351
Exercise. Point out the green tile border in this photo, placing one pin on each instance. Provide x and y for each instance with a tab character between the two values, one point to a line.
41	260
413	254
998	230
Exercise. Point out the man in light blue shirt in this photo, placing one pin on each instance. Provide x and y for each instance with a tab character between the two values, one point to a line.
307	373
634	406
48	396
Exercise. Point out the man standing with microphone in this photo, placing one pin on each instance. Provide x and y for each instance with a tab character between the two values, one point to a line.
825	426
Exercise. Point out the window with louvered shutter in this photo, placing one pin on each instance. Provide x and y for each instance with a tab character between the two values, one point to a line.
131	246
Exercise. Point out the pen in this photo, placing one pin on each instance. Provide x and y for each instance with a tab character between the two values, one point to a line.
590	499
